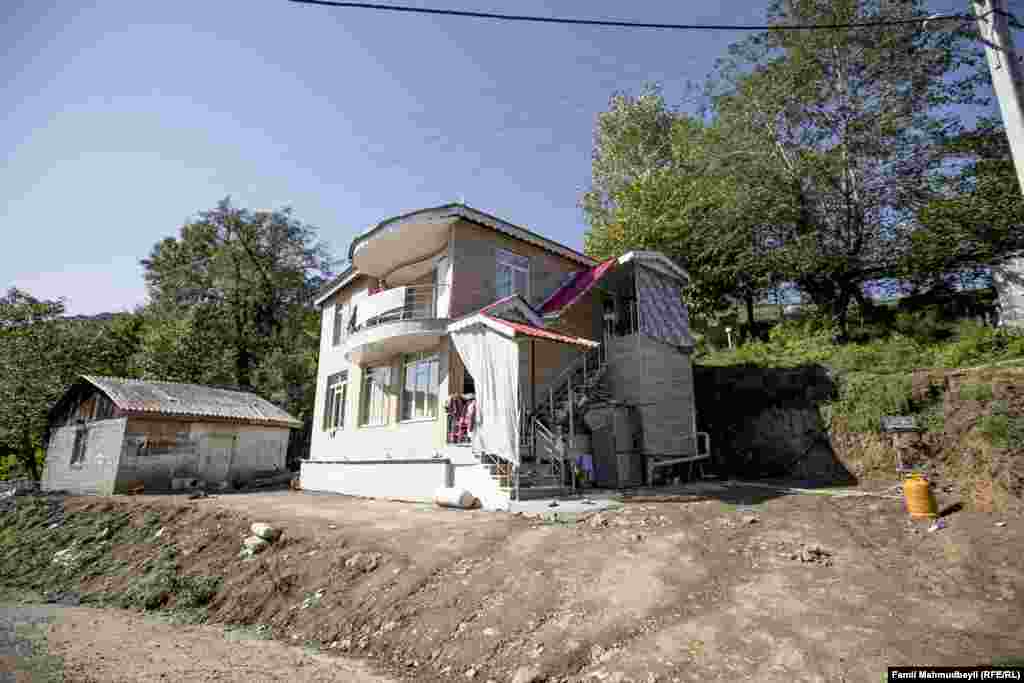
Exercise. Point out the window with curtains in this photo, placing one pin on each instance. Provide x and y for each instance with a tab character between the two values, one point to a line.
420	379
513	275
334	401
374	403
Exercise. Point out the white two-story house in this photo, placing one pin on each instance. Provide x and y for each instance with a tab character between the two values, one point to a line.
458	349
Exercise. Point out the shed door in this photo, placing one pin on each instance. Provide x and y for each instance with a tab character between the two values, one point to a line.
215	458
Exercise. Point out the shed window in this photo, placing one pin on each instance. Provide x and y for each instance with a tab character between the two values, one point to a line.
419	385
513	275
334	401
374	395
79	446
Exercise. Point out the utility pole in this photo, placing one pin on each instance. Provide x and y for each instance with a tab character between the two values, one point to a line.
1008	82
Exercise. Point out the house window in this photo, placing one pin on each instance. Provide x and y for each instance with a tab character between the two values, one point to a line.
78	448
420	377
334	401
513	275
374	396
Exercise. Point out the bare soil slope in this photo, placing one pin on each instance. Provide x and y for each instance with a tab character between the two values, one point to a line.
693	588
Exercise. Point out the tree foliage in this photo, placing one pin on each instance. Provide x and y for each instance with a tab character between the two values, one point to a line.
41	354
814	155
231	302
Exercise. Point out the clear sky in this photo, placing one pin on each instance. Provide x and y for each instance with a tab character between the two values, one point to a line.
123	118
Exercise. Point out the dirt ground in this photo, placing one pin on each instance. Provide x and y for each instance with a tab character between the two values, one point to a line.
84	645
735	584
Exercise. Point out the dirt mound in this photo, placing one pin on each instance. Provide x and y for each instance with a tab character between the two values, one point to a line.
689	589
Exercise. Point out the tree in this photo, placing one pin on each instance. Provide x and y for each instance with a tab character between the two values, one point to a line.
231	302
856	120
668	181
977	221
40	355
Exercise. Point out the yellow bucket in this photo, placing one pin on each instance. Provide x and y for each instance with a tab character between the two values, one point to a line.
917	491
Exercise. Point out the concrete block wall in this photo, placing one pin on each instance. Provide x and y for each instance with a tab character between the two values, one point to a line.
658	379
96	473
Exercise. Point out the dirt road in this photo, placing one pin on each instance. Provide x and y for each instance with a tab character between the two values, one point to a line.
83	645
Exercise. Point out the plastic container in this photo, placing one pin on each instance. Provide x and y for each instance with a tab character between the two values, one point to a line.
917	492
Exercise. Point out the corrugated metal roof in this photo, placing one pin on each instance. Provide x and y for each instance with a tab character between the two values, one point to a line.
541	333
570	293
192	400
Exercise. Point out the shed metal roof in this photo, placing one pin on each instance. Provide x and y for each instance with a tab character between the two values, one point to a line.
190	400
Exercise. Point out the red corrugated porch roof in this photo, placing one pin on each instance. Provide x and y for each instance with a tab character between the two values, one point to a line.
579	285
540	332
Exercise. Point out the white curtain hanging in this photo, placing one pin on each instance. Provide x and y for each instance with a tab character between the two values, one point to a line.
493	361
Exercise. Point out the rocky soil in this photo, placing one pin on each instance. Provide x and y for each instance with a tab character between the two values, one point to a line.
737	583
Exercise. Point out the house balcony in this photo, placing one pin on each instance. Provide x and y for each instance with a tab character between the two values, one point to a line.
397	320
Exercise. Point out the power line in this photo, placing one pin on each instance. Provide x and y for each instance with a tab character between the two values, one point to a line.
619	24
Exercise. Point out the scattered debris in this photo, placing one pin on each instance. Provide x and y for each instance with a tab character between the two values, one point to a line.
597	521
815	554
364	562
553	504
265	531
937	525
195	495
253	545
65	558
66	598
1000	524
526	674
751	519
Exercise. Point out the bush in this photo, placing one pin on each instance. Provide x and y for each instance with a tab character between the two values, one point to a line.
864	398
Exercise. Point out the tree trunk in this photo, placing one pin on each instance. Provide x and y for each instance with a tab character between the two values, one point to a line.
748	299
27	457
243	368
841	315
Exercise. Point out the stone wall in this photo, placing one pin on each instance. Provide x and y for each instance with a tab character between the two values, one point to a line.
767	421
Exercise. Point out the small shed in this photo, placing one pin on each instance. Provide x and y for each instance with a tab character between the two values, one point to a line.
111	435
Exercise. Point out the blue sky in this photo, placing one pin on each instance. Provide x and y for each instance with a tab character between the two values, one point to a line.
122	119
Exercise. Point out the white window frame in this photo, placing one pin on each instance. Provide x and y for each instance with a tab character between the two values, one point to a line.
414	361
374	394
514	263
335	402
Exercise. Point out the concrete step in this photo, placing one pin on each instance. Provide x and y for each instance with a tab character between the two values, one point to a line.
535	492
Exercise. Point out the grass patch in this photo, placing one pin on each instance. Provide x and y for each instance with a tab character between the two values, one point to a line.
865	398
976	392
37	663
44	550
161	584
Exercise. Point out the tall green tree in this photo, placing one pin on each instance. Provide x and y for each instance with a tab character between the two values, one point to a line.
669	181
231	302
41	354
977	219
857	120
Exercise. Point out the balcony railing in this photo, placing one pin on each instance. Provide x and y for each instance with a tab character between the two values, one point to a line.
412	302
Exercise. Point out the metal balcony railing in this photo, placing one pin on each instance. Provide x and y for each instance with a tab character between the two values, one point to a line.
411	302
